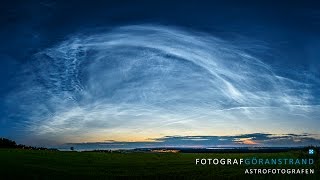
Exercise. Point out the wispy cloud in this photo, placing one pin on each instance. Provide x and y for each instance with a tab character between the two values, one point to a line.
150	81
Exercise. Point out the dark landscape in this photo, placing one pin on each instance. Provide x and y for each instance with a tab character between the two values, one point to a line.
157	163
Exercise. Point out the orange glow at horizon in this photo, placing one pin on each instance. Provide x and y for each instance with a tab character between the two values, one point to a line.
246	141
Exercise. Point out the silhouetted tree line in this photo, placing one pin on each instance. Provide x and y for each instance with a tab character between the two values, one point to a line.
7	143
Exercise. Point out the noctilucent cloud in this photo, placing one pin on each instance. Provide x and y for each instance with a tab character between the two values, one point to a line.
151	81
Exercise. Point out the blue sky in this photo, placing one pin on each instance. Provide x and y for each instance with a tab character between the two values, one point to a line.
140	72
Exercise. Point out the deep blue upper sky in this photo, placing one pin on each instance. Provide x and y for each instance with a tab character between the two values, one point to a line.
28	27
285	35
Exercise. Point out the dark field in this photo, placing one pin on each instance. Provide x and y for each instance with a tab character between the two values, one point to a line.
42	164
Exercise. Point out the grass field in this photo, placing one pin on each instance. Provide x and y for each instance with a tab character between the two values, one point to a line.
42	164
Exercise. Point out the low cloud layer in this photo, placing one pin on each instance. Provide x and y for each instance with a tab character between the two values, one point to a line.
244	140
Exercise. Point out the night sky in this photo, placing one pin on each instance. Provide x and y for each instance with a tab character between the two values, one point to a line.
160	73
